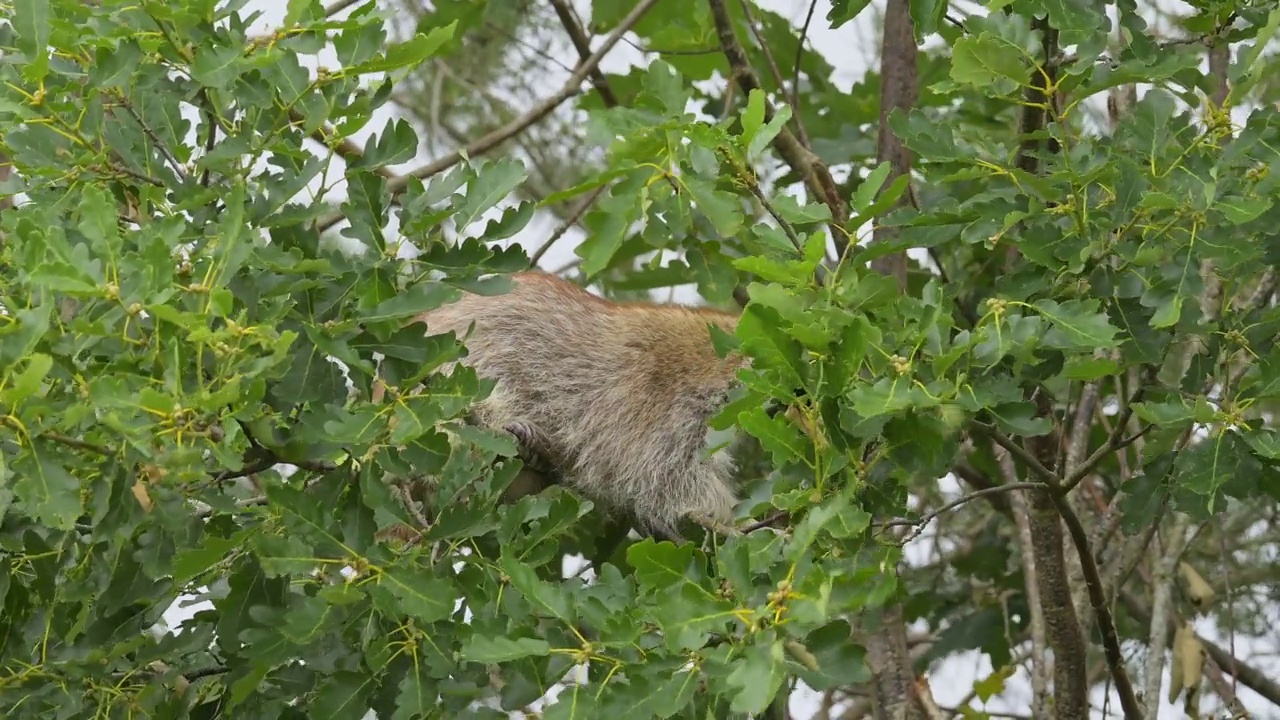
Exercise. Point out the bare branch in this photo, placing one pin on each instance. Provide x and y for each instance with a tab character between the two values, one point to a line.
1110	638
1161	612
795	69
1039	640
1251	677
582	44
923	522
569	222
1056	493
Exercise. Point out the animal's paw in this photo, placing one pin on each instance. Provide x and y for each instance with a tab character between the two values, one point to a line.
523	432
531	450
712	524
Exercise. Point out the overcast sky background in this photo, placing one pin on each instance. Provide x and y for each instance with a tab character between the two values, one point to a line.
850	50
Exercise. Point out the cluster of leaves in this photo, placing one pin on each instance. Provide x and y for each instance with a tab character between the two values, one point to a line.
173	421
171	318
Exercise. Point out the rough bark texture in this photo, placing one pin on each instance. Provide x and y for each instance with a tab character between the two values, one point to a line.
1026	540
1062	624
892	681
894	691
898	90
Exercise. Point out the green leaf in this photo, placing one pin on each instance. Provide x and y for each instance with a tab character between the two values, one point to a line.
777	435
549	598
757	677
1245	74
867	190
610	222
342	695
416	695
26	383
482	649
793	212
429	598
217	66
985	60
492	182
660	565
766	133
842	11
416	299
1167	312
49	494
753	114
1077	324
1020	419
723	209
407	54
1087	369
1240	210
32	22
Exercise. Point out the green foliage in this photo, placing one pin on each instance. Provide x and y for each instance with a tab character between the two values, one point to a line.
173	311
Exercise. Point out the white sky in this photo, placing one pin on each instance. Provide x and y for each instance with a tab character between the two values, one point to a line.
849	50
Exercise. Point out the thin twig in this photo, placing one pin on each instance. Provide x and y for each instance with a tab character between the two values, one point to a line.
123	102
776	71
582	44
337	7
768	206
795	69
211	117
515	127
568	223
923	522
767	522
1113	443
77	443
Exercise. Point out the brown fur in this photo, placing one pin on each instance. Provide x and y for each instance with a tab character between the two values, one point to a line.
613	397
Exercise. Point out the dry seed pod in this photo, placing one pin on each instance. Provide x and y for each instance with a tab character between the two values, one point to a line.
1200	592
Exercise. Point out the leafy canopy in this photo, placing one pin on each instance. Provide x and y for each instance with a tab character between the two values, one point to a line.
173	311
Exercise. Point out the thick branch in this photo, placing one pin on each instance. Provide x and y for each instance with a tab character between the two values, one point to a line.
898	81
1056	494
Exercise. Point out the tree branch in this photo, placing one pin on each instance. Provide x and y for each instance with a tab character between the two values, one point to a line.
1040	672
898	81
1253	678
1161	607
923	522
582	44
1097	598
802	134
1056	493
491	140
800	159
